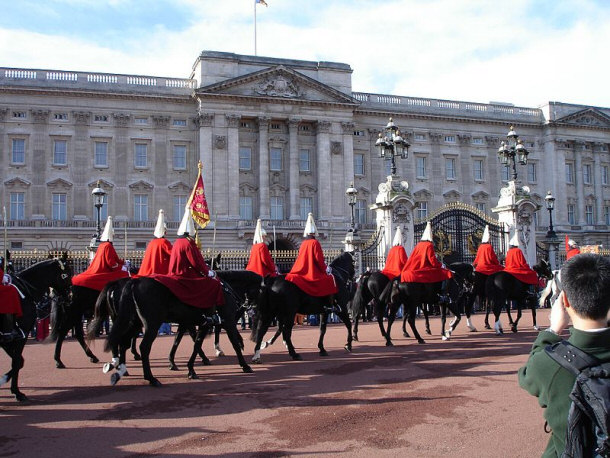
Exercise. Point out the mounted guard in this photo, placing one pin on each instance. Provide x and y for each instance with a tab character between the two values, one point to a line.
261	261
517	266
423	266
158	252
10	308
572	248
397	257
486	262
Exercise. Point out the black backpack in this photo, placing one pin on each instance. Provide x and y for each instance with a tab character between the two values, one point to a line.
589	415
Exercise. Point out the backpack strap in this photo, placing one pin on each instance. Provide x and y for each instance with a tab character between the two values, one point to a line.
570	357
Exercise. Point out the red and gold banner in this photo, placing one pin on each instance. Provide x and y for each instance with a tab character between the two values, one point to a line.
197	203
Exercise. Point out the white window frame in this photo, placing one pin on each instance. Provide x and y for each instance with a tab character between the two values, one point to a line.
478	168
569	172
139	155
422	210
420	166
98	154
359	164
59	206
140	207
179	153
178	204
304	160
450	172
57	152
246	208
245	158
275	159
276	206
305	207
17	206
18	154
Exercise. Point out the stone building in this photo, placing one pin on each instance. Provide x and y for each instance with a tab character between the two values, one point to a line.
277	138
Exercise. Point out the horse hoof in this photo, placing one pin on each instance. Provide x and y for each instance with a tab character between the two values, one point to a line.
60	365
220	353
94	360
247	369
472	329
297	357
107	367
389	343
137	357
193	376
448	334
513	328
444	338
323	353
19	396
257	361
126	374
487	326
348	347
421	341
264	345
173	367
405	334
355	338
536	328
428	332
156	383
114	378
206	362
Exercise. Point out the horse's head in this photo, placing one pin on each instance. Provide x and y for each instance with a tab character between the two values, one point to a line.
59	274
344	264
543	269
214	263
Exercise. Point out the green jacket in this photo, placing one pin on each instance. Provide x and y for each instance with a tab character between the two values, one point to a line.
551	383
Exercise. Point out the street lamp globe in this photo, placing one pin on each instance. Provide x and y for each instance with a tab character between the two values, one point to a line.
549	200
98	201
392	144
352	196
512	151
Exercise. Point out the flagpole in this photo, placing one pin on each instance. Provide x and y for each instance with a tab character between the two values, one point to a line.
255	27
214	236
125	257
4	246
274	245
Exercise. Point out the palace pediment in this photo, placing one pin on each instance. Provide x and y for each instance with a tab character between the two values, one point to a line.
141	185
277	83
589	117
59	183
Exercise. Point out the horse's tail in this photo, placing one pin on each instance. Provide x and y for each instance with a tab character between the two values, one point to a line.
126	314
386	295
57	316
359	302
546	292
101	311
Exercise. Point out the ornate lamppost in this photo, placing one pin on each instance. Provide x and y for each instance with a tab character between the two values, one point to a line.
98	201
392	144
512	150
550	205
352	196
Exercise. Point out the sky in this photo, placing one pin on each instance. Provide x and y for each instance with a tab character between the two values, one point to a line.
525	52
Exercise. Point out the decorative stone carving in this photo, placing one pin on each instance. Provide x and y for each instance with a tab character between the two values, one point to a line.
141	185
464	139
204	119
59	183
3	112
40	116
121	119
220	141
233	120
278	86
336	147
401	213
348	128
435	137
161	121
81	117
17	183
263	122
323	127
492	141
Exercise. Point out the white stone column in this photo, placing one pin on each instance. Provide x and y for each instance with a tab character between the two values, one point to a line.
263	163
232	186
293	163
348	160
599	190
206	121
580	191
323	169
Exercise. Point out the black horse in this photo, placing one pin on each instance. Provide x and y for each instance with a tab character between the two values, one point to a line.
244	287
154	304
283	299
502	287
369	289
460	288
33	282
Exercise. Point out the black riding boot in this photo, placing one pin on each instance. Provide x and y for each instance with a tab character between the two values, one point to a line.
8	329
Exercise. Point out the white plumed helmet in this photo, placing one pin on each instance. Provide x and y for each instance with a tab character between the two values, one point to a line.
259	233
572	243
397	237
310	226
427	235
186	226
514	240
160	228
108	234
485	238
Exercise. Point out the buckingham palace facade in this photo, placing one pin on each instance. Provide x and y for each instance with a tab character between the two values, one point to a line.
277	138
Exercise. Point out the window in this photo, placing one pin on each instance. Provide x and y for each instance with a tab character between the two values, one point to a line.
17	206
277	208
480	206
586	173
141	121
140	207
450	138
607	215
245	207
18	151
478	169
275	159
60	116
569	172
180	156
571	218
421	167
60	152
245	158
178	205
275	126
180	122
141	151
450	168
306	207
477	141
422	210
420	137
100	157
245	124
103	210
360	211
100	118
19	114
59	206
604	174
304	161
359	133
359	164
531	172
589	214
506	173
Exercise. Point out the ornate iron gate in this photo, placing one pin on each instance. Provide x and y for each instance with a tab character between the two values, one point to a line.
368	253
457	231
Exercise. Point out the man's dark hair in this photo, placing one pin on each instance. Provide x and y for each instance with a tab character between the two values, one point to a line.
585	279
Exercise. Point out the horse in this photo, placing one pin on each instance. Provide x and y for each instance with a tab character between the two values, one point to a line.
283	299
369	288
502	287
551	291
33	283
244	287
154	304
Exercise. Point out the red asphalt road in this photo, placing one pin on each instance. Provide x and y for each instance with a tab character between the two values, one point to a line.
457	398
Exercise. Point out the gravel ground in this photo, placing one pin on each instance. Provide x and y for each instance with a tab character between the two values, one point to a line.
457	397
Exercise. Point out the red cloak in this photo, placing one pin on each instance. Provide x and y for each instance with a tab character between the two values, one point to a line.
10	302
105	267
309	271
395	262
423	267
260	261
187	277
156	257
486	261
517	266
571	252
